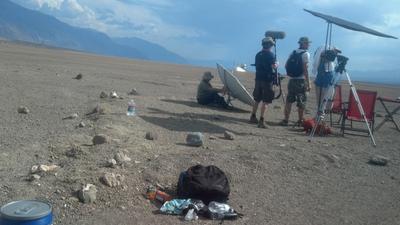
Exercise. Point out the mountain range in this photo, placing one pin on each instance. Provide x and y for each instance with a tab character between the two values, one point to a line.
20	24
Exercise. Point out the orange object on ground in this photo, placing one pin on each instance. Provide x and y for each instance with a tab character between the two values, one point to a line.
154	194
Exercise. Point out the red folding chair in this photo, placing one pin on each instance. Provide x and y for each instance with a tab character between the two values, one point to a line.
351	112
337	104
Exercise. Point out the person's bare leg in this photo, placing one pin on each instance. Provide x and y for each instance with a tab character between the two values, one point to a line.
301	114
261	121
255	107
263	107
253	118
288	108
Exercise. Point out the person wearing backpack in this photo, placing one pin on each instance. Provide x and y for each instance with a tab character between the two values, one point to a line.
263	92
299	82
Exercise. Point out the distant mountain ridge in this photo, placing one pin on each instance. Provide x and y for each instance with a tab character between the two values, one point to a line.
156	52
21	24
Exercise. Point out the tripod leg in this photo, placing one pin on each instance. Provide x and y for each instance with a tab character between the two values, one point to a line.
328	96
360	108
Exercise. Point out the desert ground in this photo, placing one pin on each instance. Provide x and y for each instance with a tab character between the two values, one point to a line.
276	175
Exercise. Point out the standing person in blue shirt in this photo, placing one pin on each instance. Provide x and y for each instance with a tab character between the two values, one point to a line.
263	92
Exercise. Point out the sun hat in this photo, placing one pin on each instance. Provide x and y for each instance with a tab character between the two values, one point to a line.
304	40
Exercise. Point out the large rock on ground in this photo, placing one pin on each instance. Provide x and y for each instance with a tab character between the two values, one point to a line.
195	139
151	136
229	135
87	194
23	110
100	139
378	160
112	180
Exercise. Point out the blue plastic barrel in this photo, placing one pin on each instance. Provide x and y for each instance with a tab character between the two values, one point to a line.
26	213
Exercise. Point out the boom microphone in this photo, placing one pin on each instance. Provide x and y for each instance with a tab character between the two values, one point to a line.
275	34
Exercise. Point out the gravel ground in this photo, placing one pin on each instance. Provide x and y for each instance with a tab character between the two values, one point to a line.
276	175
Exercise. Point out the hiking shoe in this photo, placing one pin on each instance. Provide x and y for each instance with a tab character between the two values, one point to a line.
299	123
253	119
261	123
284	123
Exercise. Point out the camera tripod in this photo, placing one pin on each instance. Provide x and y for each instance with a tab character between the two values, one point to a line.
328	97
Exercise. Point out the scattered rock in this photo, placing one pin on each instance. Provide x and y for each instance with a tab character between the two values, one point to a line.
229	135
43	168
74	152
34	177
79	76
212	137
112	180
103	95
151	136
378	160
114	94
133	92
100	139
23	110
122	158
71	117
87	194
111	163
81	125
194	139
99	110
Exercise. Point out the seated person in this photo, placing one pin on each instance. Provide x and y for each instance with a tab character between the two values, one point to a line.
207	95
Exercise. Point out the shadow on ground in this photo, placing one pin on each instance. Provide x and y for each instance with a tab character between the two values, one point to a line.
191	122
196	105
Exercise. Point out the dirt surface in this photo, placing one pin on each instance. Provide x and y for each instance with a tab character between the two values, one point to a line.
276	175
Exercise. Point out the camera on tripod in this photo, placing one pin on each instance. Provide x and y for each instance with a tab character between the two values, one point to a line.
341	63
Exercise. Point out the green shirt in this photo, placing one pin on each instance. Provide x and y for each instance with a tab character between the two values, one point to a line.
205	90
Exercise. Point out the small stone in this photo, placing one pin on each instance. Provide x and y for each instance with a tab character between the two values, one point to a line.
79	76
100	139
122	158
23	110
87	194
103	95
212	138
378	160
71	117
99	110
112	180
194	139
111	163
229	135
34	177
81	125
114	94
133	92
46	168
151	136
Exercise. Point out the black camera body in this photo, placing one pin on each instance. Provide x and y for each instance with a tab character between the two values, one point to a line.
341	63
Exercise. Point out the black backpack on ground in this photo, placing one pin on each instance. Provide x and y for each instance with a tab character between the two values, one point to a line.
206	183
294	65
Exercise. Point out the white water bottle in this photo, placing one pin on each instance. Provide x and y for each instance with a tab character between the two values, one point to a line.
131	108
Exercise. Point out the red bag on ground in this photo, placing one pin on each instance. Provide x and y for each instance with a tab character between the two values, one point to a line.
322	129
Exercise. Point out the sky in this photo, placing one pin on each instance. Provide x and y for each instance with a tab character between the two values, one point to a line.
231	30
